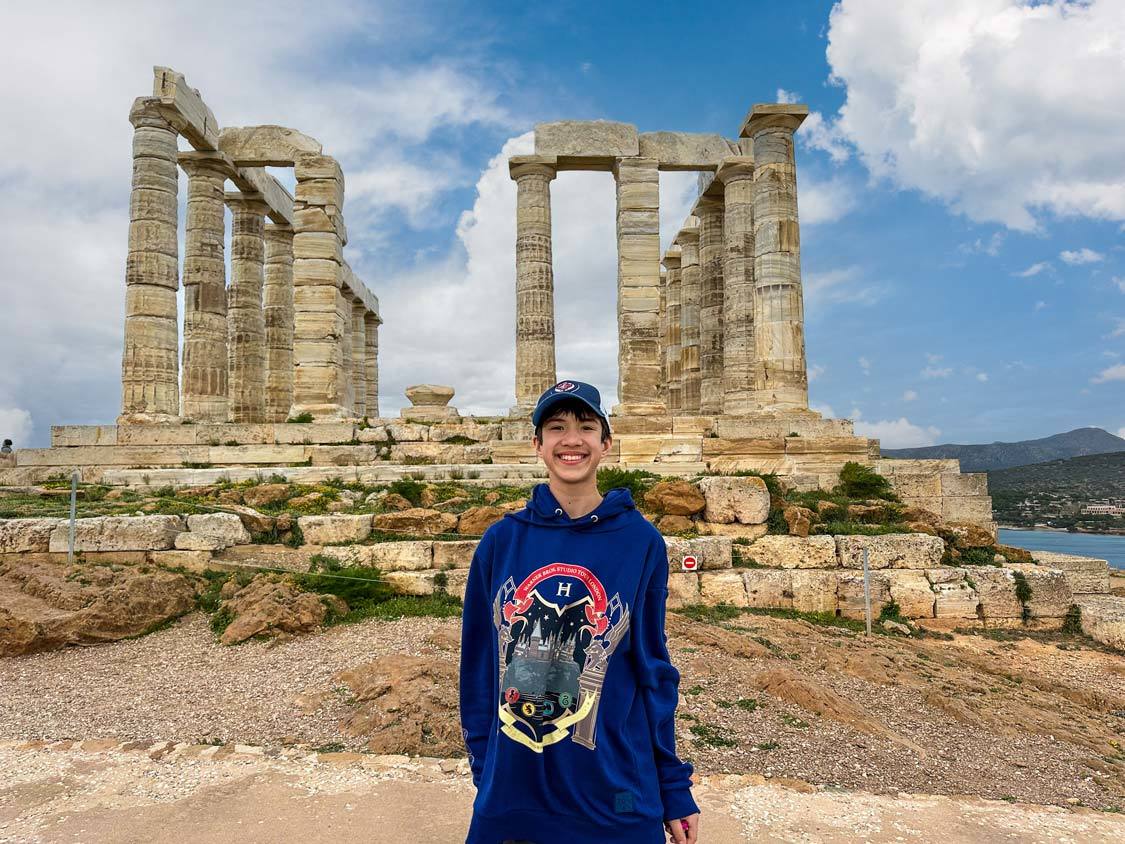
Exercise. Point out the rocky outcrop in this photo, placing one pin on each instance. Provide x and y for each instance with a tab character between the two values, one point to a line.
334	530
417	520
675	498
270	607
476	520
745	500
21	536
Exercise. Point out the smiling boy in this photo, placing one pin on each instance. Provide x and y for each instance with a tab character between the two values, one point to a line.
567	694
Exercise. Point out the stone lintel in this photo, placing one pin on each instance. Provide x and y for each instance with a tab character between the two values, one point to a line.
249	202
735	167
274	194
267	145
184	108
597	139
764	116
521	165
358	289
685	150
216	162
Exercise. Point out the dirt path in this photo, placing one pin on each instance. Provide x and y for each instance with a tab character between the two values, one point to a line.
62	793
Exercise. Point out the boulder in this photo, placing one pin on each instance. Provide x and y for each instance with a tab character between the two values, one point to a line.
302	502
798	519
394	501
120	533
674	524
476	520
268	607
23	536
745	500
1103	619
675	498
256	522
335	529
795	552
264	494
417	520
225	528
710	552
890	551
723	587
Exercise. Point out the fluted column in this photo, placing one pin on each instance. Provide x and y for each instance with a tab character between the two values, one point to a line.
691	293
535	280
277	312
737	176
638	287
781	377
371	361
247	350
359	359
150	389
204	390
672	321
347	346
710	213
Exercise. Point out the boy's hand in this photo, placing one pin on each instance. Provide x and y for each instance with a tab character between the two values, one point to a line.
683	830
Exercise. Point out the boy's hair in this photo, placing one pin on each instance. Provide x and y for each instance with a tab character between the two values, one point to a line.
579	410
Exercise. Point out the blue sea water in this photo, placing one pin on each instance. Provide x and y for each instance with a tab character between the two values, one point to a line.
1111	548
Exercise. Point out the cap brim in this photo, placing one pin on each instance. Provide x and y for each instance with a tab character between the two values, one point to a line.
545	407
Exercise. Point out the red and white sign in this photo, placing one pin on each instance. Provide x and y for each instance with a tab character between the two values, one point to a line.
690	563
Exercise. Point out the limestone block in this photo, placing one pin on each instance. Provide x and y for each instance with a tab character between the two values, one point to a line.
958	484
458	554
813	591
849	593
322	246
274	556
333	530
1103	619
586	138
63	435
481	432
768	588
891	551
921	466
417	520
912	592
374	434
967	508
1050	593
188	541
735	499
685	150
404	432
388	556
412	582
712	552
196	561
733	530
722	587
266	146
456	582
683	589
945	574
119	533
795	552
318	167
435	452
996	589
675	498
343	455
1085	575
27	536
917	486
955	599
328	192
316	433
226	528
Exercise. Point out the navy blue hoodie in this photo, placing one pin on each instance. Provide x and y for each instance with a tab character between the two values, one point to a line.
568	696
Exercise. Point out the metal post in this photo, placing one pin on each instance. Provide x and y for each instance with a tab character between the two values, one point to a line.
73	515
866	592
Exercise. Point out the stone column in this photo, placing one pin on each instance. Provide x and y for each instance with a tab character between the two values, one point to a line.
359	359
347	346
781	378
150	389
710	212
535	280
691	294
277	308
673	318
247	349
662	332
205	288
371	361
638	287
321	313
737	176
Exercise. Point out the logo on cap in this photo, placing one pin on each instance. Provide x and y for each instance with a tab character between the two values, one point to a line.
565	387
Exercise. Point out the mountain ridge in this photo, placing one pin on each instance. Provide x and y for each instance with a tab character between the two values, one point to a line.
986	457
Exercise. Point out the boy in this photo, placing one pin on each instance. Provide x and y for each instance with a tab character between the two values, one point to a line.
568	696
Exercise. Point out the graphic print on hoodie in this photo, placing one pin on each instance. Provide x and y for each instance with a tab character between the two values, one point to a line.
557	630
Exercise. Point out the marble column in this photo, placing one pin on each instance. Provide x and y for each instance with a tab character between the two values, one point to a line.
359	359
638	287
371	324
672	320
247	350
277	311
737	176
781	378
709	210
150	389
204	390
691	294
535	281
347	346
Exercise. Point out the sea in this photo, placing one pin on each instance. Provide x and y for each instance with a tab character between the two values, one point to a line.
1102	546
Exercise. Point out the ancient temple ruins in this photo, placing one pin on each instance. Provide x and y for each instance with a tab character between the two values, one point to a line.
296	331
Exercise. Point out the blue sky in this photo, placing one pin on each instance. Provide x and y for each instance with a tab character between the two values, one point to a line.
962	191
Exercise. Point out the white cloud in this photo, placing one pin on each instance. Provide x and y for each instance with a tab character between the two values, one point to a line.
1112	373
845	285
824	410
784	96
1006	110
898	433
1121	432
825	201
937	372
1118	327
932	358
817	133
1077	257
815	371
910	395
865	365
1034	269
982	377
989	247
15	425
1039	305
1120	282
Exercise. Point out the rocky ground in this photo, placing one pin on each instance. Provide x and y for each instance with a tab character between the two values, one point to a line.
1036	718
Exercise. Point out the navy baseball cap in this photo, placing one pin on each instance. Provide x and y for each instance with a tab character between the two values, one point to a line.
564	390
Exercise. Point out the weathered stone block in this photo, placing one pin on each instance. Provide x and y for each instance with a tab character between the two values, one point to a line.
458	554
795	552
683	589
586	138
266	146
418	521
768	588
388	556
955	599
894	550
404	432
333	530
917	485
1085	575
1103	619
733	530
967	508
735	499
722	587
958	484
412	582
225	528
711	552
23	536
813	591
188	541
1050	593
996	589
119	533
912	592
849	593
685	150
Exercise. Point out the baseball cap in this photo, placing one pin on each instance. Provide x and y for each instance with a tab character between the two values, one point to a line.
564	390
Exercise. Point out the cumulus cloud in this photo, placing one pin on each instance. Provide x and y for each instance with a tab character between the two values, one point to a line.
1111	373
909	395
898	433
982	376
815	371
15	425
1121	432
1034	270
865	365
825	201
824	410
1077	257
1003	109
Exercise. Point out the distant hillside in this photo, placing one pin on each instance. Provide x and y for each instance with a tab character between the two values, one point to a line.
1081	478
986	458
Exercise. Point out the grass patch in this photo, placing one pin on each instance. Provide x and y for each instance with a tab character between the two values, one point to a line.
858	528
746	704
707	735
767	745
794	721
637	481
301	418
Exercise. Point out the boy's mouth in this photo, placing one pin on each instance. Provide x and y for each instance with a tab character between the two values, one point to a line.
571	459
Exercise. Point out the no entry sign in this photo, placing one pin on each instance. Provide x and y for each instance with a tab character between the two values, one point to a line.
690	563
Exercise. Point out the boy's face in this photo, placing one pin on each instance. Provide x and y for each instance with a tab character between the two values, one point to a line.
572	449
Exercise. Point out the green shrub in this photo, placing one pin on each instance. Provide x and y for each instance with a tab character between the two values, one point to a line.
301	418
409	489
980	556
863	482
637	481
837	528
1072	621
